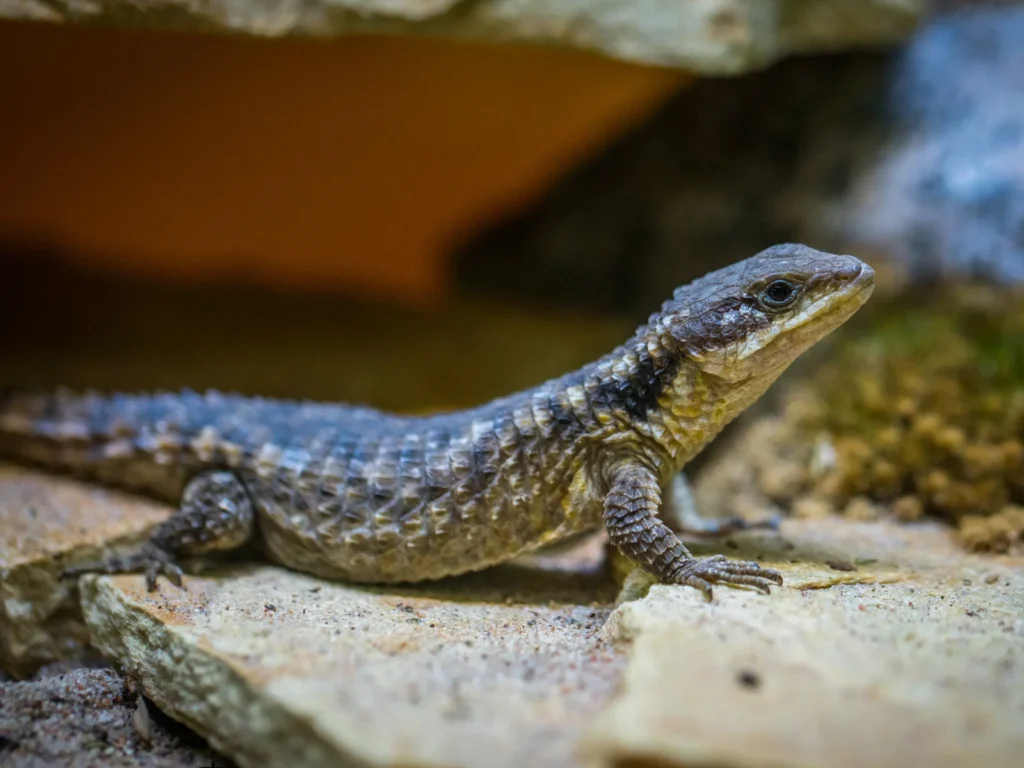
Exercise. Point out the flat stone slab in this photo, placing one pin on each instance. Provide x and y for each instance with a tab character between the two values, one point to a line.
711	36
506	668
923	669
46	525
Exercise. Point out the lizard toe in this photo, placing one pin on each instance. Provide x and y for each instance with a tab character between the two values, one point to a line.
717	569
157	562
149	559
698	583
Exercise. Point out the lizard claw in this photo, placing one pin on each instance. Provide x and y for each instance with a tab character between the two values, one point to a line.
172	571
149	558
703	572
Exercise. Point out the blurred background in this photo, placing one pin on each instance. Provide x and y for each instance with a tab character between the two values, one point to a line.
278	216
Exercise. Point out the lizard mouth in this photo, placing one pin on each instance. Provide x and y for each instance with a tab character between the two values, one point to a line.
863	285
846	300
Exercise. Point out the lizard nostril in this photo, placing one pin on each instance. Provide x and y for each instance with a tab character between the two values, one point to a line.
849	271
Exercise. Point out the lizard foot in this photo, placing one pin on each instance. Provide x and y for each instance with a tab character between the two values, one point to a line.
701	573
149	559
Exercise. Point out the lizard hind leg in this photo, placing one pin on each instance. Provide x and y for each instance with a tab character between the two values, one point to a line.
215	514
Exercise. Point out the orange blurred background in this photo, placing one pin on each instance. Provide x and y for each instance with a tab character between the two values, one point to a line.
353	163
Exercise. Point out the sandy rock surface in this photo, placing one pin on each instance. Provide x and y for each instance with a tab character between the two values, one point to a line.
902	652
277	668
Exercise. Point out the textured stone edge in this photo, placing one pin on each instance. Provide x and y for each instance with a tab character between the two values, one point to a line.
40	615
39	620
197	687
723	39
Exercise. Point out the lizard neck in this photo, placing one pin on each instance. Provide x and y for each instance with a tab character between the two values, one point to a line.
646	397
694	407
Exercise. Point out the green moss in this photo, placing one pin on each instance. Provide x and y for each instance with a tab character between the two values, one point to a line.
925	405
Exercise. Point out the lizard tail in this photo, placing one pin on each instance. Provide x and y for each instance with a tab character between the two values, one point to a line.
56	429
123	440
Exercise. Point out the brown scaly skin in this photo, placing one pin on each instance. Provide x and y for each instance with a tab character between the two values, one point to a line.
355	494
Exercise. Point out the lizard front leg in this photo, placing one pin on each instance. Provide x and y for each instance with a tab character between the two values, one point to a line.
215	514
631	510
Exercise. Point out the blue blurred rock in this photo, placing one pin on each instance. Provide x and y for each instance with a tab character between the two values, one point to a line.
916	155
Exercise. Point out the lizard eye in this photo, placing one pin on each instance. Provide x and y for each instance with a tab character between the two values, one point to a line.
779	294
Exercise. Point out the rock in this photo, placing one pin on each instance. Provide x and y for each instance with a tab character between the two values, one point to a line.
712	36
46	525
922	670
275	668
945	195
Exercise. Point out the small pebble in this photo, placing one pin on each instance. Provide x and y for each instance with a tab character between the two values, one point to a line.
748	679
841	565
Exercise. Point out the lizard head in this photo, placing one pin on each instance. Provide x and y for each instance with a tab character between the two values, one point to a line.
753	318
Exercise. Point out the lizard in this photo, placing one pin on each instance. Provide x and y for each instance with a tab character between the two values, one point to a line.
351	493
